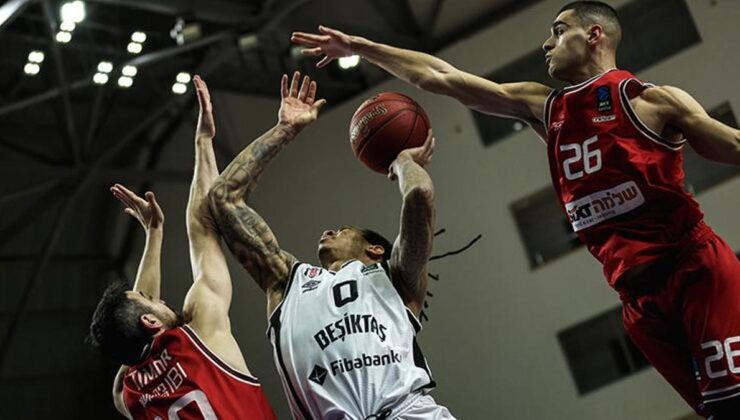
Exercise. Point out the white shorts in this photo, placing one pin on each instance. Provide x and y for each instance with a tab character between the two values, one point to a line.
422	407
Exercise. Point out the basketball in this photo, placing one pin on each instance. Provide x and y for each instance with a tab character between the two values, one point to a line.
383	126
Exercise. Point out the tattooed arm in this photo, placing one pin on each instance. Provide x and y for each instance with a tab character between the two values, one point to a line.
413	246
246	233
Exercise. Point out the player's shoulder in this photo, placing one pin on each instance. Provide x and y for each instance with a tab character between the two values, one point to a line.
670	99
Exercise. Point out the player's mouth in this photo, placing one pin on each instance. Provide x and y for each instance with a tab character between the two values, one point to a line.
548	58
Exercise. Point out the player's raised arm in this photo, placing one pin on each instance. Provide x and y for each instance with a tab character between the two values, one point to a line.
413	246
208	300
710	138
149	274
523	101
244	230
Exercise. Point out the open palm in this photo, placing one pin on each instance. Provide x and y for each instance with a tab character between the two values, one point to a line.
146	211
298	106
330	42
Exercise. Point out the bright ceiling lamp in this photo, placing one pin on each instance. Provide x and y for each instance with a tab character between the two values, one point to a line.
73	11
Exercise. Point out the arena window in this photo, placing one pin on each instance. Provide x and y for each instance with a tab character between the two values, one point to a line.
599	352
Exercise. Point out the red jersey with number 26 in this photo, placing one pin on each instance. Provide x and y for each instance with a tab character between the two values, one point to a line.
182	379
620	183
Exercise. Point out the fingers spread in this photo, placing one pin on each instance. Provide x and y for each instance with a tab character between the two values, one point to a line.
311	51
307	39
294	84
284	86
324	61
311	93
304	88
318	104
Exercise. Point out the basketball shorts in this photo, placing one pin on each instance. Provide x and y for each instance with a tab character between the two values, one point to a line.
685	317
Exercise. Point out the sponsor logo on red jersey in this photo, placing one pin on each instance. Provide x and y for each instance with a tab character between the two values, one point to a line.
604	205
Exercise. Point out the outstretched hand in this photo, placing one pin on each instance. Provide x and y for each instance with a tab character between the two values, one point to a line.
146	211
298	106
331	43
422	155
206	126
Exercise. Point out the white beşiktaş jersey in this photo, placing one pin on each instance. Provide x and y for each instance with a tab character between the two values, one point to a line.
345	346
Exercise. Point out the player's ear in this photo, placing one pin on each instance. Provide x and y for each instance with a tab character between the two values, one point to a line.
151	323
595	33
375	252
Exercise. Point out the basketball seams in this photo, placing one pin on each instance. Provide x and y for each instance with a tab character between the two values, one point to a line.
368	137
385	101
382	116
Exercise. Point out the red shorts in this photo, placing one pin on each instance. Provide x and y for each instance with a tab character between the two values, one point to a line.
685	317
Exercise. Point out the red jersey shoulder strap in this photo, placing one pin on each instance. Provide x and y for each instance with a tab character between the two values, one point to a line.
191	336
628	89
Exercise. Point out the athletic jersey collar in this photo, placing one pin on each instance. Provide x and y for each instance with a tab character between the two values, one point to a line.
587	82
344	264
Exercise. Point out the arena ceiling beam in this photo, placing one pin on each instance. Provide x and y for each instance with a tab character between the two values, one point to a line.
216	11
11	9
23	193
167	107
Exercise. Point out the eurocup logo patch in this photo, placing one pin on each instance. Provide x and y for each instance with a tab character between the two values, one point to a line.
603	99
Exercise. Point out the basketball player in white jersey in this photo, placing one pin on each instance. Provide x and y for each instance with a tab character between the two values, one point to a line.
343	331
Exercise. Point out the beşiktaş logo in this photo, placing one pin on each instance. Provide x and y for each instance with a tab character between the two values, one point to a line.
312	272
350	324
603	205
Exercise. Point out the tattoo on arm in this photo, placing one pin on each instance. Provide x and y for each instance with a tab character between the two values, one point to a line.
413	245
245	232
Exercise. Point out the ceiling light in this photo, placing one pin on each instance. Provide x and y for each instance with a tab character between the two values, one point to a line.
125	82
349	62
63	37
134	47
31	69
129	71
100	78
73	11
105	67
67	26
179	88
139	37
36	57
185	31
183	77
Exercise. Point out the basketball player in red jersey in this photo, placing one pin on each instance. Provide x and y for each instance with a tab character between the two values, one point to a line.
614	145
178	366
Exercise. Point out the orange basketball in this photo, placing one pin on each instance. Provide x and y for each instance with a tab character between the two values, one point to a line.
383	126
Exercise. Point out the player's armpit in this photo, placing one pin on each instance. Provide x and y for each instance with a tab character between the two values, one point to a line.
710	138
522	100
251	240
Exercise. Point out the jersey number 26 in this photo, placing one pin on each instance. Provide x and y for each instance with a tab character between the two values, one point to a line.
591	158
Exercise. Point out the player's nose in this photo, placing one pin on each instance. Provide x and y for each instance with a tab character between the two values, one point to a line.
548	45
